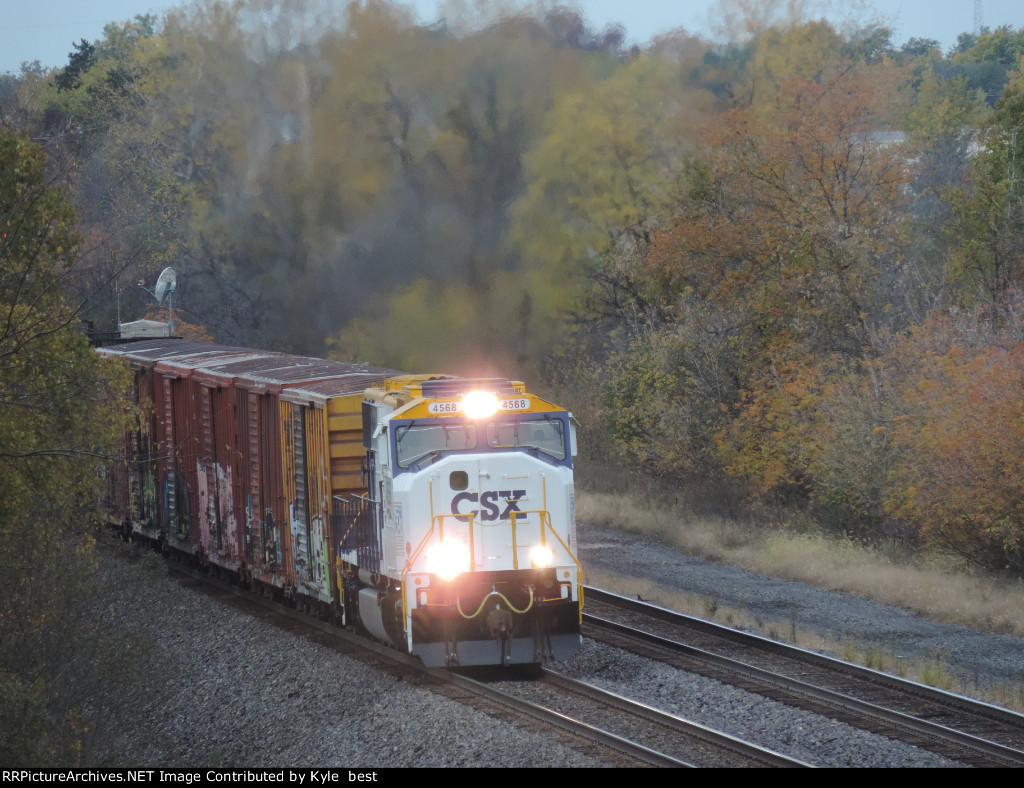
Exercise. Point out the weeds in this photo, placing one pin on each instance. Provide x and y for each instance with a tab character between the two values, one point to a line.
935	674
848	651
874	658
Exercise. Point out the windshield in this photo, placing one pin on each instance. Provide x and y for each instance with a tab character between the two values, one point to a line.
546	435
417	442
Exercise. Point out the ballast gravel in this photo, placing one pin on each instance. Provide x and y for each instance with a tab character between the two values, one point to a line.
806	736
225	688
978	660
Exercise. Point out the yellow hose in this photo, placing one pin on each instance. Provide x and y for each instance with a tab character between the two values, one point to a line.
458	604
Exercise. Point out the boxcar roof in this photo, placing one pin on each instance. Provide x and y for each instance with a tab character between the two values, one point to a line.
249	368
154	349
345	385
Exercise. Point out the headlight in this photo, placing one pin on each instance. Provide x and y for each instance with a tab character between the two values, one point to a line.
448	558
479	405
541	556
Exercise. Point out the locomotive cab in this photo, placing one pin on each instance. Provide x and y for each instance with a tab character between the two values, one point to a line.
466	552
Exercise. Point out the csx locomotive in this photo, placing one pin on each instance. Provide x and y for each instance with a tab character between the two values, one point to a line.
434	513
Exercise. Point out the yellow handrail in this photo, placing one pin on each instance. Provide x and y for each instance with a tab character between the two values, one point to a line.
437	521
408	567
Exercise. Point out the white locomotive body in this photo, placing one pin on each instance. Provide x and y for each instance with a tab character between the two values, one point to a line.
463	550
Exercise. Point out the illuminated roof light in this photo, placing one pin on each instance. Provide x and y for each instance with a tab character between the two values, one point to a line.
479	404
541	556
448	559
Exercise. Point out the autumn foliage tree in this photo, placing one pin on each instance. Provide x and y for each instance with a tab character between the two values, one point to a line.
796	231
799	218
60	411
961	430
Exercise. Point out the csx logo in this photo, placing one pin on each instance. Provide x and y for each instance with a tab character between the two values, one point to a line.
490	503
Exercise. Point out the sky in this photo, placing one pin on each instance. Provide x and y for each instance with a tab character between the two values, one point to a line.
45	30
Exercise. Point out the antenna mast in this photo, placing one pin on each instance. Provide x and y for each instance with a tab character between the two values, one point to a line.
978	21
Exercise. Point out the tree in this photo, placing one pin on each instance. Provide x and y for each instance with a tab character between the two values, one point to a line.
798	217
611	163
56	424
794	229
962	434
460	121
986	59
663	395
79	61
985	261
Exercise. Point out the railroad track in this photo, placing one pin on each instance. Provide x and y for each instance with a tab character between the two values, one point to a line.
612	728
645	734
962	729
685	742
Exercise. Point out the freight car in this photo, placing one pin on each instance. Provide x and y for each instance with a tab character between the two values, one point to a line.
434	513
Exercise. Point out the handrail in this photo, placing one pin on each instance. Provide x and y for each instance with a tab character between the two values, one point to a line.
575	560
437	521
408	567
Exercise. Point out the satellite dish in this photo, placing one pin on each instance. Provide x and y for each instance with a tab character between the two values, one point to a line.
166	284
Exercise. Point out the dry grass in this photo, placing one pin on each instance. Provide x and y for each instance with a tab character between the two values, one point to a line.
927	586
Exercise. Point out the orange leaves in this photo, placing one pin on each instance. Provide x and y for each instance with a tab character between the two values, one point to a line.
788	230
796	214
773	438
963	434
